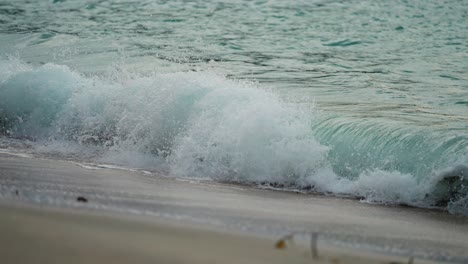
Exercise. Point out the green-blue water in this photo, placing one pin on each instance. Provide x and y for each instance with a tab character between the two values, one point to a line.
368	98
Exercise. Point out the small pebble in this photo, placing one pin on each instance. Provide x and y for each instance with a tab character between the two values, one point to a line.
81	199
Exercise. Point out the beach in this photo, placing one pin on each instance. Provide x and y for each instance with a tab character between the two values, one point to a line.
137	215
207	131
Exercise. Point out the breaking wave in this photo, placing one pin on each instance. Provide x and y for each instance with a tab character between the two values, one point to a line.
202	124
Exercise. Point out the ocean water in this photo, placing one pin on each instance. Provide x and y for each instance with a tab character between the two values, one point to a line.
366	99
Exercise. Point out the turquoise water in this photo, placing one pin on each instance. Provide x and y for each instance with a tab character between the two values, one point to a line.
362	98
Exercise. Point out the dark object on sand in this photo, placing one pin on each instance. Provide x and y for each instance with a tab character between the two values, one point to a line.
17	193
81	199
313	245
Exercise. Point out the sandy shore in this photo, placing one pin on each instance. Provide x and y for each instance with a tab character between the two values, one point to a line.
40	235
133	216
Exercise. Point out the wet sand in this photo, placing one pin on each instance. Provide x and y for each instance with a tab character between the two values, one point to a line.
134	216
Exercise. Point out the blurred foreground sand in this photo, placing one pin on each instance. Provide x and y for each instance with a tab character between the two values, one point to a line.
45	235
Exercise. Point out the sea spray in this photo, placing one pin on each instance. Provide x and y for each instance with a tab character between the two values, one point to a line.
242	133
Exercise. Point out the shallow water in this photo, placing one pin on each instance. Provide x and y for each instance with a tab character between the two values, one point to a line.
359	97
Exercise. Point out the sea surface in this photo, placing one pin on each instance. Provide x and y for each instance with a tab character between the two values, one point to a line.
364	99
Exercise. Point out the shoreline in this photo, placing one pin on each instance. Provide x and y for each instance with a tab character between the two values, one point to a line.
350	225
266	186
